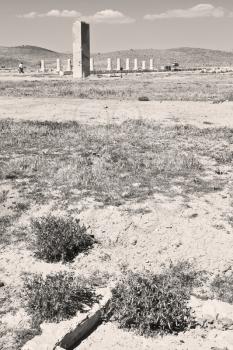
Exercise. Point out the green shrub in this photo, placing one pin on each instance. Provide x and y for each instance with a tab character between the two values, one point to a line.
222	288
57	297
60	238
152	304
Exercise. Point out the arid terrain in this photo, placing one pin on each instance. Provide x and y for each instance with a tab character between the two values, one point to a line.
151	179
187	57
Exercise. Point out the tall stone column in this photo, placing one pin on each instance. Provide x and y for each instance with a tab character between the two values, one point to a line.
118	67
143	65
135	64
109	64
69	68
81	49
42	66
58	65
127	64
151	64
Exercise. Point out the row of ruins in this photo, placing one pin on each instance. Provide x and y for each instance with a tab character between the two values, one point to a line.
109	67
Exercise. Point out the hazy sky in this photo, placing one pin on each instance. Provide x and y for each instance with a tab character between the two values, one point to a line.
118	24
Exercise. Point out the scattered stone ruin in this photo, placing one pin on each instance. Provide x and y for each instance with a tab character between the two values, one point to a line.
83	65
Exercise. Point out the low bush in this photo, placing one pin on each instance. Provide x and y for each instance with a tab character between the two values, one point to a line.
151	304
143	98
222	288
59	296
60	238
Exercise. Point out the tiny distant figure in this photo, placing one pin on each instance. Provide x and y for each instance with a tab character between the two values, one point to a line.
21	69
121	69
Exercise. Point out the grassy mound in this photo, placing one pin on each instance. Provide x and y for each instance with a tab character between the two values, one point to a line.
152	304
60	238
57	297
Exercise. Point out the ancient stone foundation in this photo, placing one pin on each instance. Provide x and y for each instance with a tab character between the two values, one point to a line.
81	50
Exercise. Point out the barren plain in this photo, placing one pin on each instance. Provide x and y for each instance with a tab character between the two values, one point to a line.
152	181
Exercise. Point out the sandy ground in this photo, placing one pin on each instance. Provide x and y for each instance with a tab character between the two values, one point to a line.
201	114
136	236
108	336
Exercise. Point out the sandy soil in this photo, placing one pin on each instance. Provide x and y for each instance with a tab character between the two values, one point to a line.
202	114
108	336
136	236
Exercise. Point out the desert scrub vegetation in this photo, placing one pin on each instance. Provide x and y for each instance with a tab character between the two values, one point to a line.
172	86
222	287
60	238
57	296
112	163
154	304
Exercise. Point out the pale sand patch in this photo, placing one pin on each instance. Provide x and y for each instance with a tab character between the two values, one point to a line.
95	111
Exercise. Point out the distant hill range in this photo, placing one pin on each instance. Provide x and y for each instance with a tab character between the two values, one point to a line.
10	57
185	56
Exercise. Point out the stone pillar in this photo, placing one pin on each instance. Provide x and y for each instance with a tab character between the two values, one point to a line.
118	67
143	65
92	64
58	65
69	68
135	64
81	49
151	64
127	64
109	64
42	66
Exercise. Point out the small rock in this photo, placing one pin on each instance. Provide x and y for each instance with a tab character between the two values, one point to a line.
133	241
209	319
229	273
2	284
192	216
199	321
226	322
219	326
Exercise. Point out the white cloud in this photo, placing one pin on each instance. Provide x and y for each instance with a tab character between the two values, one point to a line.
109	16
104	16
53	13
28	15
63	13
198	11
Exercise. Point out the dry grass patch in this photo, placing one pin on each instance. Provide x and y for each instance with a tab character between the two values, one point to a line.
151	304
57	296
222	287
167	86
112	163
60	238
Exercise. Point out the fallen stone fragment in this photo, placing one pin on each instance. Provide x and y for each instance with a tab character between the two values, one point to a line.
65	334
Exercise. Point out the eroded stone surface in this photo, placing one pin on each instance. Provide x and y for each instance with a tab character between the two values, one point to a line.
81	50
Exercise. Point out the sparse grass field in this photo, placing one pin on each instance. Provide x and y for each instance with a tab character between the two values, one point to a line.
111	163
120	168
161	86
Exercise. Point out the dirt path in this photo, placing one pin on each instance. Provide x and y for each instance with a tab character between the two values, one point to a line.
202	114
